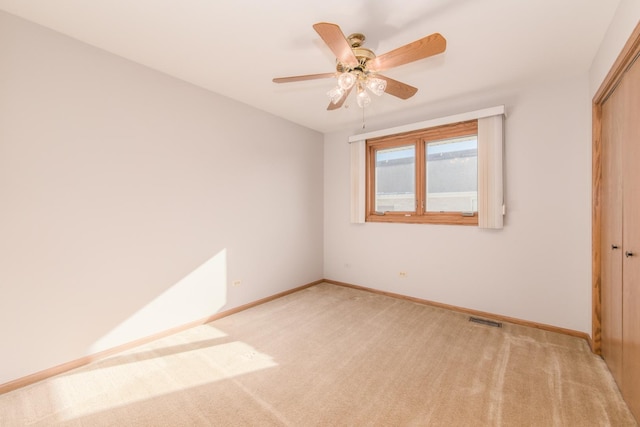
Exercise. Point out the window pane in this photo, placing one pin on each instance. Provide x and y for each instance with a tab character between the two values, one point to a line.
452	175
396	179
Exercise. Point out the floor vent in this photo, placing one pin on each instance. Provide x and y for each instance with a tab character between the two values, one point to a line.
485	322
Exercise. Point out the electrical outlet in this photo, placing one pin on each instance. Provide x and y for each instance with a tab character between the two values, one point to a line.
236	283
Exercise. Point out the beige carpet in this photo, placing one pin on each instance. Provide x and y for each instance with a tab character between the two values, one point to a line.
335	356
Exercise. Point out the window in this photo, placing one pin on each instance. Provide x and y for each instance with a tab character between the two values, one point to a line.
424	176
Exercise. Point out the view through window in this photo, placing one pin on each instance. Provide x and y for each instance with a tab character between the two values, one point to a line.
429	175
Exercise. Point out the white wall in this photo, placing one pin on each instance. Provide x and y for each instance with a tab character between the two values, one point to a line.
130	201
626	18
537	268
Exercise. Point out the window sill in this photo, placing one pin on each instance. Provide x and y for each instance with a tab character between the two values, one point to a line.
444	218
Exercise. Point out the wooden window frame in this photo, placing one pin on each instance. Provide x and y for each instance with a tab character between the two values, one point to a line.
419	139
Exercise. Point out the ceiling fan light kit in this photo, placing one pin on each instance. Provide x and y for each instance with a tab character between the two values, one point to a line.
335	94
376	85
358	67
363	98
347	80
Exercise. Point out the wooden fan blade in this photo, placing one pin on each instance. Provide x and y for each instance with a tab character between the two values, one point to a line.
337	42
419	49
398	89
301	78
338	104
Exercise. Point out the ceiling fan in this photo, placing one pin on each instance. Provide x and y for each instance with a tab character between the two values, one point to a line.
359	67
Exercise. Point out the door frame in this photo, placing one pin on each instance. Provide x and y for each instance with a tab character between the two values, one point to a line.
625	59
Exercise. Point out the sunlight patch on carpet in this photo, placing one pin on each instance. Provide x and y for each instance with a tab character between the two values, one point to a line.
138	380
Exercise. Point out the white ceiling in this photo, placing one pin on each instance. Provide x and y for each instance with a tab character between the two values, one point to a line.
235	48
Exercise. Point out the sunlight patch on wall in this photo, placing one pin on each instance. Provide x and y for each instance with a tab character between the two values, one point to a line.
200	294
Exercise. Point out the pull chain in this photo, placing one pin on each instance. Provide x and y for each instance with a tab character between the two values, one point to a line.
363	118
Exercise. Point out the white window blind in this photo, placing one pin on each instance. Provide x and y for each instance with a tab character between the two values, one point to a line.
490	159
490	180
357	181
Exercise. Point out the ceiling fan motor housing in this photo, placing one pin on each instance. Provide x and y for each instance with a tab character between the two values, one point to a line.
361	53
